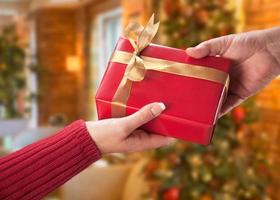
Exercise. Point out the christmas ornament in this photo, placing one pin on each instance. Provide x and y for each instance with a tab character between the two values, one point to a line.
151	167
171	194
238	114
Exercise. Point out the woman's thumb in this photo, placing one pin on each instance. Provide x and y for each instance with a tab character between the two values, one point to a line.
144	115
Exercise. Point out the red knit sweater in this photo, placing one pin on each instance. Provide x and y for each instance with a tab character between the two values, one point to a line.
39	168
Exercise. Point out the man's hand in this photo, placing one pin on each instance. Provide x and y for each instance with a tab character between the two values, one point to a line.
256	61
122	135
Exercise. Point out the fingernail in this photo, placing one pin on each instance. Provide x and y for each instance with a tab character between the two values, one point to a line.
171	141
189	49
198	46
157	108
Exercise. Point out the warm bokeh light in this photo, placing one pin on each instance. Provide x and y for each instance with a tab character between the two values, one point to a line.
73	63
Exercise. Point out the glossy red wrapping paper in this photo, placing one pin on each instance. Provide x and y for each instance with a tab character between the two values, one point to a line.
192	104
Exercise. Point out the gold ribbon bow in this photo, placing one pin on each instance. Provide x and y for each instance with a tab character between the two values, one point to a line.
135	70
140	37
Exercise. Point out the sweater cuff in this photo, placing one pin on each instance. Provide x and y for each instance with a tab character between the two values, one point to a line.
88	146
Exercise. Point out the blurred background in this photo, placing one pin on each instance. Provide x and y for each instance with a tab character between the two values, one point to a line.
53	54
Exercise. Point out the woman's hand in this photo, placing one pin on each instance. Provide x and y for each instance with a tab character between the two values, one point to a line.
122	135
256	61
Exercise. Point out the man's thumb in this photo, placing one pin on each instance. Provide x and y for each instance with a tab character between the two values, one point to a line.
213	47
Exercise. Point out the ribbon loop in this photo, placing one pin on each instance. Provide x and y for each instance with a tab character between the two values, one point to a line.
147	34
140	37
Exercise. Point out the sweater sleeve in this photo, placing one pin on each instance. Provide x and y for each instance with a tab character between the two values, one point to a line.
41	167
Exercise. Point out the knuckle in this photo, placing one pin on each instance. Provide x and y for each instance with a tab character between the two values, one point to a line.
121	129
146	115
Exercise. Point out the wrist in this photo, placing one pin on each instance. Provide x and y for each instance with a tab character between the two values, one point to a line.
92	129
272	38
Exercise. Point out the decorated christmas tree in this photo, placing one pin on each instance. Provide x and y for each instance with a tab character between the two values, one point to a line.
189	22
234	165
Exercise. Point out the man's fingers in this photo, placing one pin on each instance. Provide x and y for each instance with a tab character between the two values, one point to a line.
231	102
144	115
211	47
199	51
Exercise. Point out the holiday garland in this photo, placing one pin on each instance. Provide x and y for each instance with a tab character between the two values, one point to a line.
12	65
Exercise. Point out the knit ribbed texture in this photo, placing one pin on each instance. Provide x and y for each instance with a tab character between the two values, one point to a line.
39	168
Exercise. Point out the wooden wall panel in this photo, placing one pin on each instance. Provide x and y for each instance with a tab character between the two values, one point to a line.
56	40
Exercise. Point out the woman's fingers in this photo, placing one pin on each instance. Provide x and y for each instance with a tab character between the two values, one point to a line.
140	140
141	117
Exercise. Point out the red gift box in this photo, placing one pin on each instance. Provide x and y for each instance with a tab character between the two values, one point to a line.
193	100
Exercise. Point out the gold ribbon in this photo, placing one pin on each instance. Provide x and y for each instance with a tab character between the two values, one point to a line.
138	65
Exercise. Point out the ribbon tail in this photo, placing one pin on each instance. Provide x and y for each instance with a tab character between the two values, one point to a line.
119	101
227	86
227	82
130	65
